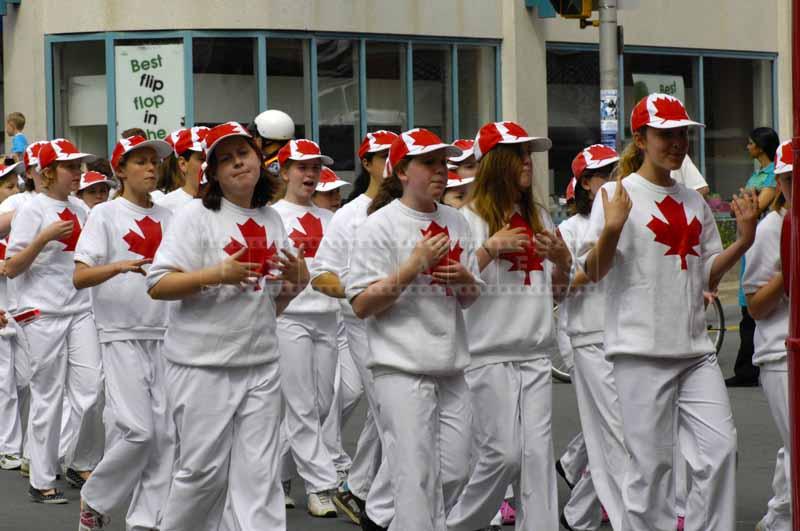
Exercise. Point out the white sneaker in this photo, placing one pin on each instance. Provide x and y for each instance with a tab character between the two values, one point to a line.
10	462
321	505
287	488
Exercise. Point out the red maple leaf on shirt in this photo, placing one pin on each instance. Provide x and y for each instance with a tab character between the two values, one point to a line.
681	237
3	244
147	243
255	241
670	109
312	235
453	254
71	240
526	260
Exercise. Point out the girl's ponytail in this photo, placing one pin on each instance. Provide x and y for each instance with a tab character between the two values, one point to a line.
631	160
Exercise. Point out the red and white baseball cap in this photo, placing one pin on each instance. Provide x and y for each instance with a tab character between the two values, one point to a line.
593	157
31	156
375	142
187	139
662	112
495	133
90	178
784	158
465	145
302	149
569	194
132	143
454	180
328	180
61	150
220	132
17	167
416	142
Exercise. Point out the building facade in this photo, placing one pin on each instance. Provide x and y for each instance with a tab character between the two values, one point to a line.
88	70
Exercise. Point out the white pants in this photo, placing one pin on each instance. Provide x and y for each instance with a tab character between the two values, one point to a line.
513	443
427	444
346	395
652	392
575	460
140	436
65	357
308	366
228	425
601	421
774	379
12	395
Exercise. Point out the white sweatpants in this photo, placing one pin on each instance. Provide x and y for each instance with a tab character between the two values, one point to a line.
774	379
347	392
575	460
513	443
228	426
652	391
140	436
308	366
65	357
601	421
12	394
427	444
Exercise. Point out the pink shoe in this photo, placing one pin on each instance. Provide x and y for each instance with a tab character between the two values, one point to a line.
680	523
603	515
507	513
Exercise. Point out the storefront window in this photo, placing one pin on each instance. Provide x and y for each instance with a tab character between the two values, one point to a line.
738	99
432	78
288	87
225	81
79	94
476	88
337	66
386	86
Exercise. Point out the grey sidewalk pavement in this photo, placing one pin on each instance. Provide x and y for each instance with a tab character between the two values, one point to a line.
758	444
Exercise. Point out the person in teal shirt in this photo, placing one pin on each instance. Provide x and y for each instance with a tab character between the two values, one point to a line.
761	145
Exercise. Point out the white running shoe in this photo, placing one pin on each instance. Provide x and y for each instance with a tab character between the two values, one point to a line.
10	462
320	504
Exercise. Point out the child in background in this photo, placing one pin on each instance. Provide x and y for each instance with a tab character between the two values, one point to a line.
187	145
457	192
10	174
33	185
94	188
15	123
763	285
328	194
121	237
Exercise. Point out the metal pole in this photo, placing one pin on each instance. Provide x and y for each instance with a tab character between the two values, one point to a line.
609	73
793	342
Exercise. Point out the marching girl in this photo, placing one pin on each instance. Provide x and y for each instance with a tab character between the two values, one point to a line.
65	355
659	246
411	276
121	237
222	337
523	264
329	272
33	185
763	286
598	403
461	175
307	332
94	188
187	145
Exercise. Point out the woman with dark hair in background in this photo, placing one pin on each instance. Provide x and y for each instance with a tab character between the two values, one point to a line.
761	146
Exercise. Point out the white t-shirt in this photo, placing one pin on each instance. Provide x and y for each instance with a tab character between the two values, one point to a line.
155	195
333	255
513	318
654	296
688	175
306	225
47	284
763	261
423	331
224	325
13	202
120	230
584	307
174	200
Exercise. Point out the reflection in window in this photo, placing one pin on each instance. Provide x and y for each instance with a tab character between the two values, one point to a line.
288	81
337	66
476	88
731	115
225	82
386	86
432	79
79	95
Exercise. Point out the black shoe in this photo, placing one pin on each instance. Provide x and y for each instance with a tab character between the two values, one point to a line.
74	479
56	498
366	523
560	470
564	523
737	381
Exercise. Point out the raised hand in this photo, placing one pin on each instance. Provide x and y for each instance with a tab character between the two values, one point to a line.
617	208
